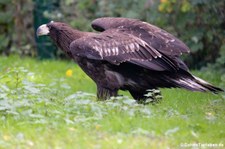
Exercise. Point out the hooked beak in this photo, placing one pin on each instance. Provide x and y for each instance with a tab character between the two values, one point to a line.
42	30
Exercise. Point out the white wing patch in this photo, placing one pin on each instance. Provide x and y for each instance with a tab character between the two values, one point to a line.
109	51
132	45
114	45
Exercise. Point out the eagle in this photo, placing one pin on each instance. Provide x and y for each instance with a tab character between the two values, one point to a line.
126	54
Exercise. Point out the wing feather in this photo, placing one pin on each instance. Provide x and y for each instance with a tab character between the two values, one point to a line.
117	47
157	38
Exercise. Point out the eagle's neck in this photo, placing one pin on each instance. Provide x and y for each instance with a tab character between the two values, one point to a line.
63	38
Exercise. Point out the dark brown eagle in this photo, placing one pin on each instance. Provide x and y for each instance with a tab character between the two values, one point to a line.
127	54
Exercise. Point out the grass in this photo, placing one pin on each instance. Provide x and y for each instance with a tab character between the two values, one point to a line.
42	107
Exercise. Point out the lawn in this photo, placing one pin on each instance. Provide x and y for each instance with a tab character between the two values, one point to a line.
52	104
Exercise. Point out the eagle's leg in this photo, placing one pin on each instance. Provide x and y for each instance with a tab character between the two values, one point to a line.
137	95
105	93
149	96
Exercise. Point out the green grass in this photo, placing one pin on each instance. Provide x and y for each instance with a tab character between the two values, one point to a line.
41	107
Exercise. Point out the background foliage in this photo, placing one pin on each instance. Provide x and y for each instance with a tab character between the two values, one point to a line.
199	23
16	27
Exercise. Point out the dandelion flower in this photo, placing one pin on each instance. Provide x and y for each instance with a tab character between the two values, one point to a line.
69	73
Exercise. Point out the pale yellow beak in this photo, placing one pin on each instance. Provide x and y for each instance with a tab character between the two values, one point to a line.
42	30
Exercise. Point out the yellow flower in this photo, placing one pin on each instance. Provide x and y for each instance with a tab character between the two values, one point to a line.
69	73
163	1
6	137
97	127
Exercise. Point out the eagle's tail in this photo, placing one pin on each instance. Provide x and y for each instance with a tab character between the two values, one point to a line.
207	86
196	84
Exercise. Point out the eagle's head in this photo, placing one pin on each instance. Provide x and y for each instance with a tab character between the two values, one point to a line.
61	33
51	28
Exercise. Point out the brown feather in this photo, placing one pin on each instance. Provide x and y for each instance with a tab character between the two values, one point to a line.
158	38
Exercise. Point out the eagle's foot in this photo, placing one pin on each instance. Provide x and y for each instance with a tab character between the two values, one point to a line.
148	96
152	96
